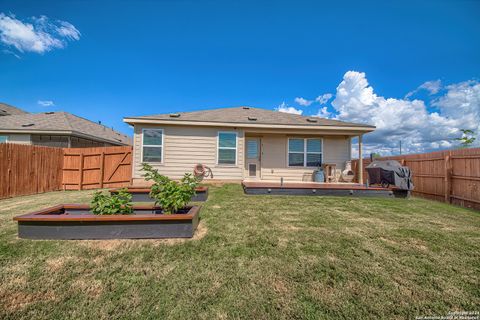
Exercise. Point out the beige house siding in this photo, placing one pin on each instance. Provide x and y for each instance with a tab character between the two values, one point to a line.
337	150
184	147
274	157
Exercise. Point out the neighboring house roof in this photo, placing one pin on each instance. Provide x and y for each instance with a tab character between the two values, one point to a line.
246	116
8	110
61	123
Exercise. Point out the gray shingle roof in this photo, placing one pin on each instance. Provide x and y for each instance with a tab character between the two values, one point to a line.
243	115
61	121
8	110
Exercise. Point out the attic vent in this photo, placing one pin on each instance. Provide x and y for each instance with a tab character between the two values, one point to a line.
252	118
312	120
28	124
51	112
174	115
246	108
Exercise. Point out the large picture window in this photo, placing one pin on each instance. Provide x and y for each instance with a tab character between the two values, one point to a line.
227	148
304	152
152	145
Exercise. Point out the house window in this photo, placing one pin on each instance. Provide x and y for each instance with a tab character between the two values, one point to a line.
227	148
296	152
304	152
3	139
152	145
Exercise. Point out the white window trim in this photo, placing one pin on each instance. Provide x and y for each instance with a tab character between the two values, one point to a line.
304	152
228	148
150	145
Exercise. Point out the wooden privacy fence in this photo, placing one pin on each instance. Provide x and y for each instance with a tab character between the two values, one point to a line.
92	168
452	176
26	169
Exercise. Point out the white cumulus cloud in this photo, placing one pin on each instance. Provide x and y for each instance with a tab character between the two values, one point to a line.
283	107
323	113
324	98
46	103
303	102
433	87
40	35
408	121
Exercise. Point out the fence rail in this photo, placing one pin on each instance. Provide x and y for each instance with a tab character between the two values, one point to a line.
26	169
452	176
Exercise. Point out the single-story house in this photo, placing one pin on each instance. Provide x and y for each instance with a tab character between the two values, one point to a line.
55	129
242	143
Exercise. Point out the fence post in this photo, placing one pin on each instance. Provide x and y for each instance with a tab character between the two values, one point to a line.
80	182
447	178
64	186
102	168
360	160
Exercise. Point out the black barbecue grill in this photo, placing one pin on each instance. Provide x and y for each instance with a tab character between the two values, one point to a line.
390	173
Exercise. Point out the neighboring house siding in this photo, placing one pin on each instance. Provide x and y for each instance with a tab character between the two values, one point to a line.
184	147
50	141
274	162
53	140
17	138
63	142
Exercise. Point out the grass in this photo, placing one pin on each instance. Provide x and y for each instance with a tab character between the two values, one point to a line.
254	257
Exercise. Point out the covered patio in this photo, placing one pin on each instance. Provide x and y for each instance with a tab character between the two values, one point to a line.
272	156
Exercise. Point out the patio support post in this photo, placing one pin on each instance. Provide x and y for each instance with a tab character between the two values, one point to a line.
360	160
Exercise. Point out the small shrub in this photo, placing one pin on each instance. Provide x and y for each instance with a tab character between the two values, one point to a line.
119	203
168	194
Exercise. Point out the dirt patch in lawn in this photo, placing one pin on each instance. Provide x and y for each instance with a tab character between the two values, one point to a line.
14	301
55	264
111	245
15	205
90	287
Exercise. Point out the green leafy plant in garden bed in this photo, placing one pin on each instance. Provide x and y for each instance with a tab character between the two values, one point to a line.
168	194
116	203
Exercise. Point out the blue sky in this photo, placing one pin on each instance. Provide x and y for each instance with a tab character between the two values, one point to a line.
126	58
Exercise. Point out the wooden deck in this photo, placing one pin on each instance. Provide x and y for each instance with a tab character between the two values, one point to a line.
309	185
320	189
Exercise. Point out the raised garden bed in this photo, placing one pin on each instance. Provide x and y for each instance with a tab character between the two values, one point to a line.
142	194
322	189
76	221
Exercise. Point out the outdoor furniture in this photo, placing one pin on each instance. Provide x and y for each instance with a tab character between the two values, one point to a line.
347	174
330	171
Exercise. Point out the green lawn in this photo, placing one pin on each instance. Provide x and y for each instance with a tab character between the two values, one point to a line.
254	257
